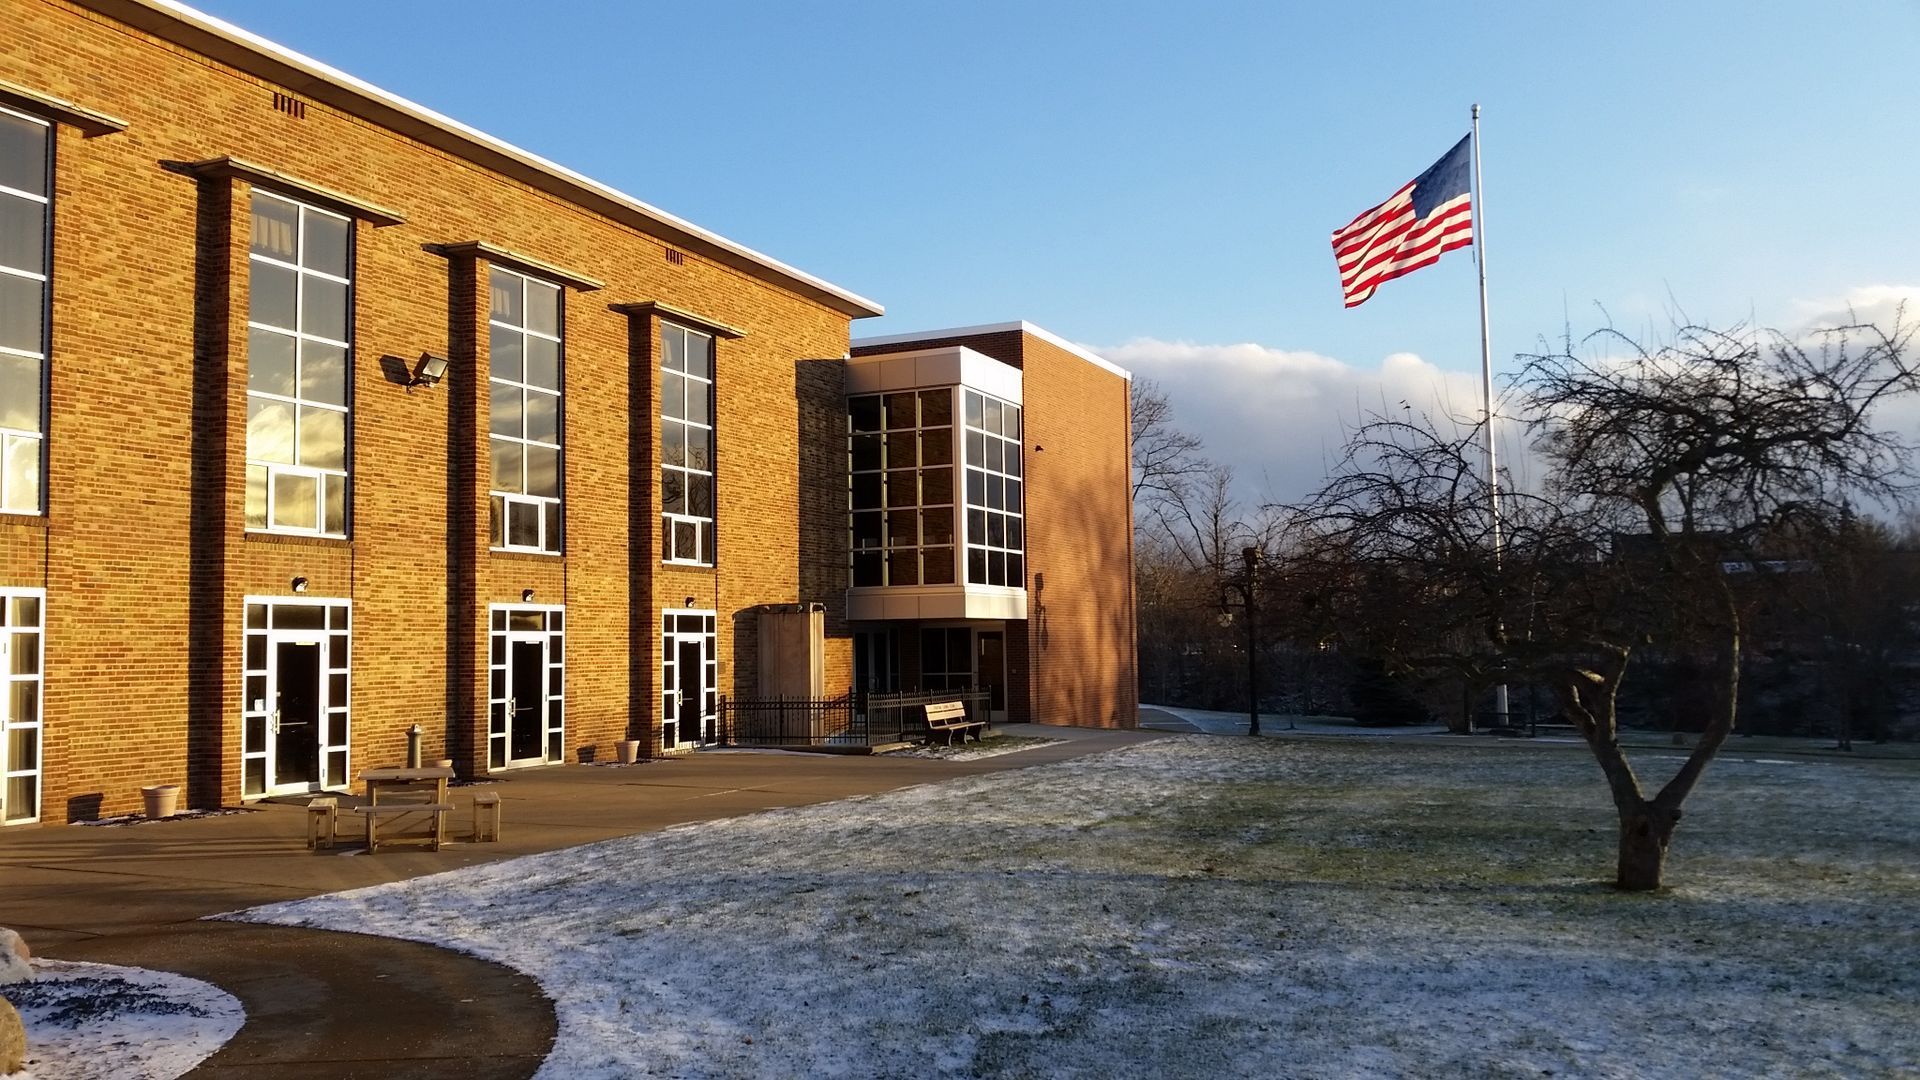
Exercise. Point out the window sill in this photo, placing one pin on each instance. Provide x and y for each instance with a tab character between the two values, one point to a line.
258	536
682	564
525	553
22	519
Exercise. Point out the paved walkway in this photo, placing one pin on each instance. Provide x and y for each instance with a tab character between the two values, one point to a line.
323	1004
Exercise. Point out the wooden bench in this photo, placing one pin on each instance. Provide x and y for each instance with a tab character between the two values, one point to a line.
323	817
486	803
373	814
949	718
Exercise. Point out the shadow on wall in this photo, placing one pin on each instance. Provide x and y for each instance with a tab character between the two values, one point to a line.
465	733
1082	663
743	673
207	562
643	531
822	476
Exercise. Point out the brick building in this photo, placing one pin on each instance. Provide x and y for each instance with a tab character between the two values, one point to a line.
323	415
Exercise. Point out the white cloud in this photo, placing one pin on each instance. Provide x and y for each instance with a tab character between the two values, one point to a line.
1281	416
1878	304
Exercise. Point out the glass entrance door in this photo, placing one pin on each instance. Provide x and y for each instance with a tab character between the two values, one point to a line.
527	707
295	730
689	669
876	661
295	761
990	665
526	683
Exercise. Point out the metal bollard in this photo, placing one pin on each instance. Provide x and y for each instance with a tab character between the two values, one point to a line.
413	747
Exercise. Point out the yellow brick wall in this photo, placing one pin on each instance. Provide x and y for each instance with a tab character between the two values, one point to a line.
143	552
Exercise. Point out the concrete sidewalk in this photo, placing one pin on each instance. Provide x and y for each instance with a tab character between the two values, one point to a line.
338	1005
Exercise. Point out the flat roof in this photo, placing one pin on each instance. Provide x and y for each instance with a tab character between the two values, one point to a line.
251	53
1021	326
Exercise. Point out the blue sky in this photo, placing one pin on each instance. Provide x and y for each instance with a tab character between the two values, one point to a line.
1131	175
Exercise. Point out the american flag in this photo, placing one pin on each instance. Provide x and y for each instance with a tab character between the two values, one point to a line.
1431	215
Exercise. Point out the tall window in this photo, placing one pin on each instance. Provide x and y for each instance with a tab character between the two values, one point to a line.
902	497
25	169
995	523
946	658
526	350
686	445
298	359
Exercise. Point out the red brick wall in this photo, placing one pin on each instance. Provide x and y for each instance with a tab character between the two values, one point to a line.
143	552
1081	656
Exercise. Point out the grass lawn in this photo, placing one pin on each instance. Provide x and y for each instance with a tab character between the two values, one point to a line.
1210	906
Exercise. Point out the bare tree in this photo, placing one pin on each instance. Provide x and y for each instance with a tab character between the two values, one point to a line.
1163	455
1395	557
1709	447
1671	470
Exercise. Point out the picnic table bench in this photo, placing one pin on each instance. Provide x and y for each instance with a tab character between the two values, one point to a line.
949	718
428	788
373	814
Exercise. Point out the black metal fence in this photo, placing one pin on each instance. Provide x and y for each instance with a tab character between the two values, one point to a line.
786	721
847	720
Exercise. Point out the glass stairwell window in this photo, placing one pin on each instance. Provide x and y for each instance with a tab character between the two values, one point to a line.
901	498
996	522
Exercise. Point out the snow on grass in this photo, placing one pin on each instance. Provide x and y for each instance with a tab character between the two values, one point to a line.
1211	907
107	1022
991	746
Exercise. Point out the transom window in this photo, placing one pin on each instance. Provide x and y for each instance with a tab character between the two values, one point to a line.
299	356
902	487
26	158
686	445
996	531
526	348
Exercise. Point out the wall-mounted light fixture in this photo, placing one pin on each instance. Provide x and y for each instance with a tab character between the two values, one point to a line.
690	601
300	585
526	596
429	371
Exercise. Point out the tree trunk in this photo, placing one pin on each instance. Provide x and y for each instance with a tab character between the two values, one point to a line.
1646	830
1463	725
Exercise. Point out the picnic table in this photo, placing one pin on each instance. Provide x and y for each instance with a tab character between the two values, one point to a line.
408	791
396	780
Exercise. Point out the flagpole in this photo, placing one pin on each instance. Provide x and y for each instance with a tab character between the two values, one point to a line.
1486	376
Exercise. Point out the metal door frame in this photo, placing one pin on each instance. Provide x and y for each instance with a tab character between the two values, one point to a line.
259	713
670	637
500	639
9	769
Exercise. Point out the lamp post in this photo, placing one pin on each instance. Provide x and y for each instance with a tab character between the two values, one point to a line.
1246	586
1250	560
